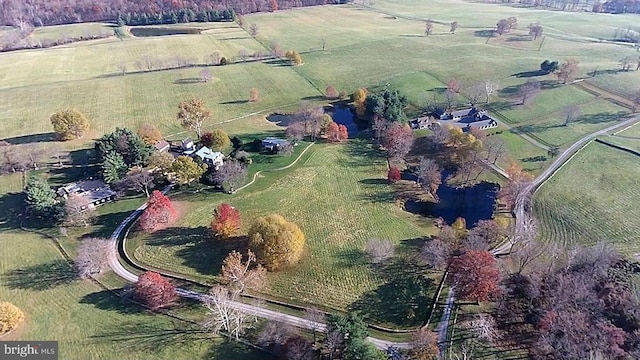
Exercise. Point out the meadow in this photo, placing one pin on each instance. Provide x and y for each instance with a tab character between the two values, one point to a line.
338	196
600	206
88	321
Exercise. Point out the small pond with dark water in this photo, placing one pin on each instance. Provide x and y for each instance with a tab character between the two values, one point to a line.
472	203
341	115
163	31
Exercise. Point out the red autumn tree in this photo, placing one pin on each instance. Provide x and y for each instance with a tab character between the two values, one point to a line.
154	290
159	212
336	133
393	175
475	275
226	221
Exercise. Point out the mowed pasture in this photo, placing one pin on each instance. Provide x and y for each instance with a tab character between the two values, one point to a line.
340	199
593	198
88	321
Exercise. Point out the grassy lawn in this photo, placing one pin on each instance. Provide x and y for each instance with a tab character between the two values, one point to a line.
633	131
532	158
339	198
594	115
601	205
633	144
88	321
71	31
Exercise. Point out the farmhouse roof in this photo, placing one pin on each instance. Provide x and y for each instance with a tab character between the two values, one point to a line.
206	153
272	141
162	145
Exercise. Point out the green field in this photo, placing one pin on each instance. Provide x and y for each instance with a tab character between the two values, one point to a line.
338	197
88	321
593	198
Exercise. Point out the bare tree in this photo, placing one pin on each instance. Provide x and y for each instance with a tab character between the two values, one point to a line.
214	58
333	342
528	91
636	100
568	70
484	328
535	30
474	93
428	27
285	150
379	251
450	99
295	131
379	125
317	319
122	68
275	334
243	54
436	253
429	176
243	275
78	213
205	75
454	26
490	88
324	43
149	62
223	316
495	148
139	180
93	256
12	159
570	112
311	117
231	175
253	30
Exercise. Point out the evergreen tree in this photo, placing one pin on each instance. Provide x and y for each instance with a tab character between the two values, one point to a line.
41	200
114	168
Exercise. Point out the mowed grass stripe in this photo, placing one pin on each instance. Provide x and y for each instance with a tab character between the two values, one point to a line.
593	198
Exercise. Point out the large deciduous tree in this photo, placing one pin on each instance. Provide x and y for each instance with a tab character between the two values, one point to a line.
10	317
475	275
226	221
398	140
568	70
159	212
528	91
436	253
429	176
77	212
231	175
359	97
276	242
222	316
424	345
153	290
241	275
93	257
139	180
150	134
186	171
535	30
193	114
69	124
217	139
311	117
294	57
571	113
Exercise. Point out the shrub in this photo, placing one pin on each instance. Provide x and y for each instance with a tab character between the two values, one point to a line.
393	175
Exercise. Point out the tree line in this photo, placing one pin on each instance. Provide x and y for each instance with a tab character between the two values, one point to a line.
597	6
29	13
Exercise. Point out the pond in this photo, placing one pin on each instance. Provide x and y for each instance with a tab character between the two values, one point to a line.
341	115
473	203
163	31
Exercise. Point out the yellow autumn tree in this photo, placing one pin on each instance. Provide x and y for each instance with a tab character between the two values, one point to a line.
294	57
150	134
69	124
359	97
276	242
10	317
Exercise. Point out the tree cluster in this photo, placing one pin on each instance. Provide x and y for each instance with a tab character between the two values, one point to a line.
506	25
577	303
389	105
121	150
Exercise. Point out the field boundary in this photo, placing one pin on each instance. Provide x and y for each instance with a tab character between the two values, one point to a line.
618	147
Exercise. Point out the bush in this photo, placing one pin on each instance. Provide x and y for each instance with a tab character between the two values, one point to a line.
10	317
393	175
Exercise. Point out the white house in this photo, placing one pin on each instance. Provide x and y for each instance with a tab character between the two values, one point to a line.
210	157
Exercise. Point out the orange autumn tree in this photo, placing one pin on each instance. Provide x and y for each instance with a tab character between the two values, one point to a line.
336	133
475	275
158	213
518	181
226	221
154	290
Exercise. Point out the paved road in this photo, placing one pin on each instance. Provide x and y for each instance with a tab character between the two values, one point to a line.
117	268
443	326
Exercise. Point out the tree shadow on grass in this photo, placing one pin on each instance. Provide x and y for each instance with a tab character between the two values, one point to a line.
196	247
361	152
374	181
527	74
187	81
11	210
602	117
33	138
351	258
108	300
147	337
403	300
487	33
234	102
233	350
41	277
